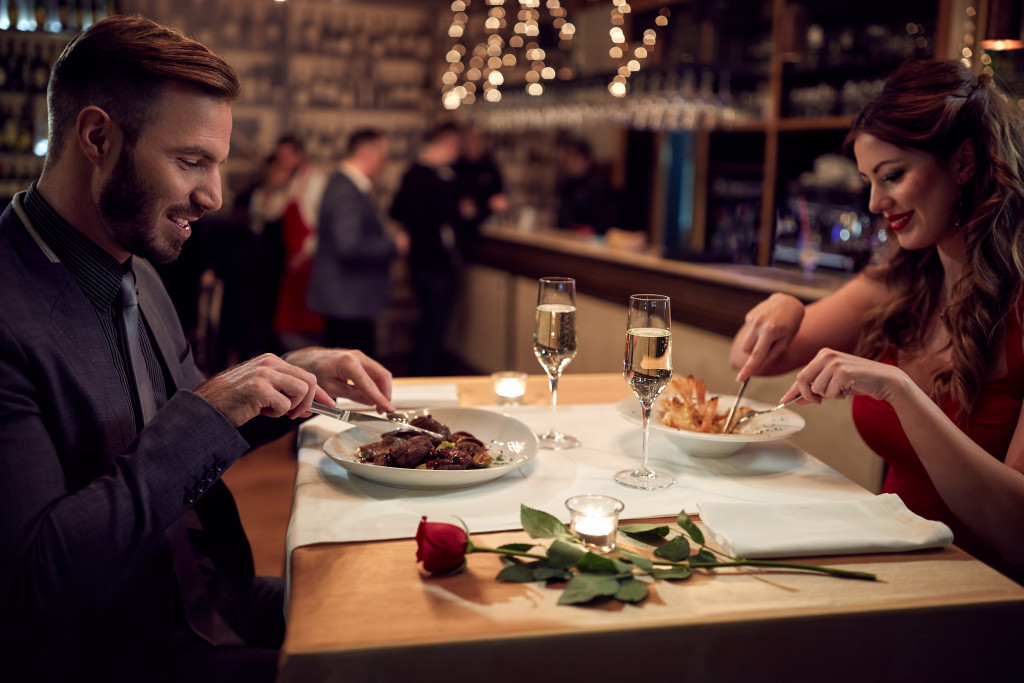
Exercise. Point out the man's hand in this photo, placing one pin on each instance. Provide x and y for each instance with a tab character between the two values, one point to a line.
265	385
347	373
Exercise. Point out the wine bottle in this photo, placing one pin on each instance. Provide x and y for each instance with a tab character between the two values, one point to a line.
39	70
51	20
85	14
26	18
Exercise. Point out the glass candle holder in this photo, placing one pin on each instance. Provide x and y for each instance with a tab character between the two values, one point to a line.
509	386
595	519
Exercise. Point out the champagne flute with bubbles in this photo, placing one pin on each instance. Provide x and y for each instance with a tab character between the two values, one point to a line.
554	344
647	369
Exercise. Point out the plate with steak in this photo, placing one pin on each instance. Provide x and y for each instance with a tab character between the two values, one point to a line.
477	446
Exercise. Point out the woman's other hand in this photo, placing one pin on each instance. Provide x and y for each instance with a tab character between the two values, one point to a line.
833	374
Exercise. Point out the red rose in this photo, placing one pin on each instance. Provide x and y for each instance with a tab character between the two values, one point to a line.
440	547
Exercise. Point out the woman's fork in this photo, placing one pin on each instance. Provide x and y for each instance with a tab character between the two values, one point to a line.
747	417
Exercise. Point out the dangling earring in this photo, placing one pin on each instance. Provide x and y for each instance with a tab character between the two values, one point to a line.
958	212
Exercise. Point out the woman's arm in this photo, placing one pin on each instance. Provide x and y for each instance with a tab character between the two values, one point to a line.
781	334
984	493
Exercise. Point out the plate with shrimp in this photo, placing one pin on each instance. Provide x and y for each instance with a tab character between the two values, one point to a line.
693	419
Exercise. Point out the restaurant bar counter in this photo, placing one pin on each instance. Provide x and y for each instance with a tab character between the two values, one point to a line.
365	611
493	327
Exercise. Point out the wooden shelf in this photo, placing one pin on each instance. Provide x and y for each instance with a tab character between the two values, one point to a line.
798	123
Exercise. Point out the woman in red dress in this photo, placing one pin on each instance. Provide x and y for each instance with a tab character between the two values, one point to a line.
928	340
299	199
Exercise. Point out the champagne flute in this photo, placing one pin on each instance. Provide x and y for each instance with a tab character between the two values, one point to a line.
554	344
647	369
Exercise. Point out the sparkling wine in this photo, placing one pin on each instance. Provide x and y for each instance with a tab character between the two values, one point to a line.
554	341
648	361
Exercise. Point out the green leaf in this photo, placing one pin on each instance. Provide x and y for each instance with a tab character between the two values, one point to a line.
631	590
690	527
704	556
539	524
673	574
585	587
640	529
517	547
622	568
640	561
675	550
518	573
597	564
545	573
562	553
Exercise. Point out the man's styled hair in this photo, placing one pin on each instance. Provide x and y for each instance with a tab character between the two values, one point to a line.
363	136
120	64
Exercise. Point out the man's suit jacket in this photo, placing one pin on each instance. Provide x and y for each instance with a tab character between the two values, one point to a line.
84	562
427	205
352	268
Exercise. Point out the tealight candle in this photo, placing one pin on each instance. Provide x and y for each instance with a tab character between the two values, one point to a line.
595	519
509	387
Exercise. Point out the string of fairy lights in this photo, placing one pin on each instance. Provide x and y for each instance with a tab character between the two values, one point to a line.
482	70
630	59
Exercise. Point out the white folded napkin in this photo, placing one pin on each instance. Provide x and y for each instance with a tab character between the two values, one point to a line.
413	396
872	525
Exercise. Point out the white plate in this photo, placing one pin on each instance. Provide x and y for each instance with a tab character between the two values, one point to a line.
781	424
504	436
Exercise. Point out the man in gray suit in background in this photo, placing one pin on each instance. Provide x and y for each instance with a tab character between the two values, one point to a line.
351	279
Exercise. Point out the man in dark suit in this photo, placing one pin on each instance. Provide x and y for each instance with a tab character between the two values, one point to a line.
121	553
351	279
426	205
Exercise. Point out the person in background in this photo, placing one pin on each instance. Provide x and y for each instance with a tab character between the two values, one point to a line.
252	268
299	199
425	205
480	189
351	279
586	200
928	341
122	557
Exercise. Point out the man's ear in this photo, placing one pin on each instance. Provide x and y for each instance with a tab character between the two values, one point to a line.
95	134
964	161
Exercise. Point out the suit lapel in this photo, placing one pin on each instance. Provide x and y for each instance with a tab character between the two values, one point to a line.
76	333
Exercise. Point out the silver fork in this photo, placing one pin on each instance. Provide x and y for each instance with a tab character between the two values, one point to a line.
747	417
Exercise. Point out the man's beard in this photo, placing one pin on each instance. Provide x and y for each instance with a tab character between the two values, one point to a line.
127	205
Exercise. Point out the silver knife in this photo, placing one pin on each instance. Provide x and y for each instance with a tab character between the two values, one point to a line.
372	421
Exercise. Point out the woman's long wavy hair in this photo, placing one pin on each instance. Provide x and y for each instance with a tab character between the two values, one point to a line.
934	106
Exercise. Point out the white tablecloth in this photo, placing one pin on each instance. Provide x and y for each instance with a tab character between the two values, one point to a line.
330	506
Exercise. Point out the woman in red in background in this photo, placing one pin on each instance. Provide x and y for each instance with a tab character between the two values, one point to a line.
928	340
295	324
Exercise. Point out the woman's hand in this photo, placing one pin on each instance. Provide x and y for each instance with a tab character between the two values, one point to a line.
767	331
347	373
833	374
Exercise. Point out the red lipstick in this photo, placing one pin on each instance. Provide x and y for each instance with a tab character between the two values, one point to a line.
898	221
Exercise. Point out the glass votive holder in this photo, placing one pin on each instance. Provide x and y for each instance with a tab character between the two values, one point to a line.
509	386
595	519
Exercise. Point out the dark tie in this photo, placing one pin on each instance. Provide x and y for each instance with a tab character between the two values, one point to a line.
201	615
144	399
